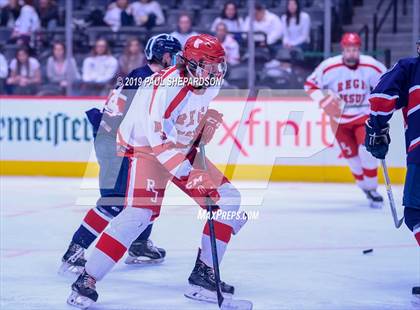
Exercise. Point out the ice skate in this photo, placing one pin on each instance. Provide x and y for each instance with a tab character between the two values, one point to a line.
144	252
375	199
73	260
416	296
83	293
202	285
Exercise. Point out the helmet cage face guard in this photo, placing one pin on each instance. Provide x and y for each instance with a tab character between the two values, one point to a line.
206	69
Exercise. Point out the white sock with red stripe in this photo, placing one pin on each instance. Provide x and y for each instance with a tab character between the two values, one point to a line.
224	227
223	234
370	169
355	165
115	240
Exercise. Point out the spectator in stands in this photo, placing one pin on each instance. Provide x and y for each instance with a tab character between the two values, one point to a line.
26	24
3	72
9	14
132	58
147	13
296	26
266	22
48	13
25	73
229	44
230	18
184	28
99	69
58	69
118	14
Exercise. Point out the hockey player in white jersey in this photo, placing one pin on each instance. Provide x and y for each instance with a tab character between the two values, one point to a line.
341	85
160	133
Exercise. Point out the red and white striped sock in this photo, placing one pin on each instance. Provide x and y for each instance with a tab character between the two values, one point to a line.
115	240
370	169
223	234
357	171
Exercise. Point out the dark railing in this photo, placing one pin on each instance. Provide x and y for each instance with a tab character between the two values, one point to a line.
365	32
379	21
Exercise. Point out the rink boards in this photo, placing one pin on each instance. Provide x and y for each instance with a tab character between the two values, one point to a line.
278	138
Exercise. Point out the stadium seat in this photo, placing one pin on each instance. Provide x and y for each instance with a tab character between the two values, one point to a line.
168	4
172	17
5	34
99	4
81	14
269	3
9	51
316	14
206	17
237	75
193	4
218	4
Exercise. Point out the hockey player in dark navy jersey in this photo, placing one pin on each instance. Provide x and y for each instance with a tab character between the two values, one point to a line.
160	51
399	88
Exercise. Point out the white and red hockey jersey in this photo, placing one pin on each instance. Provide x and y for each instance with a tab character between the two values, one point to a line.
162	121
352	85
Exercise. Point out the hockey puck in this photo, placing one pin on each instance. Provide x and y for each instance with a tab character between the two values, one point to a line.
367	251
416	290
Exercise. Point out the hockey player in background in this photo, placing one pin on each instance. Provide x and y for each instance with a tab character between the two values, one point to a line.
341	86
160	51
160	133
399	88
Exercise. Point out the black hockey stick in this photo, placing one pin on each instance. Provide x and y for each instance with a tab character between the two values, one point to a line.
225	304
397	222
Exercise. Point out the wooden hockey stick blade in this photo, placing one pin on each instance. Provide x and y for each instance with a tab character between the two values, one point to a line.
236	304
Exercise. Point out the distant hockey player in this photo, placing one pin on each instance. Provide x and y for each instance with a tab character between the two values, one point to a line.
165	123
159	51
399	88
341	86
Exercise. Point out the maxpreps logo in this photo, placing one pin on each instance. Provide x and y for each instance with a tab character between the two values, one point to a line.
54	128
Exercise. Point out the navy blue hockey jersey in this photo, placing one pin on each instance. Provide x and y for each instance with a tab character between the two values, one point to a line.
399	88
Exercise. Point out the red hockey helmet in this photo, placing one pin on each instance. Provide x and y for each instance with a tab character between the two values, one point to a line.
204	56
351	38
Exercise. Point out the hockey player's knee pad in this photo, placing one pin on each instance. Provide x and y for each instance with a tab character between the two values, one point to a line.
129	224
230	197
230	200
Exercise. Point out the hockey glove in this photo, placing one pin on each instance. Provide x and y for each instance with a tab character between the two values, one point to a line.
331	105
201	186
377	141
208	126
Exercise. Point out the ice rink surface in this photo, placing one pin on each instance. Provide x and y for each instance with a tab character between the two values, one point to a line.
303	252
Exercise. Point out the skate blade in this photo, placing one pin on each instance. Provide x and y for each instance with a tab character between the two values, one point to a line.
236	304
198	293
143	260
376	205
79	301
67	269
